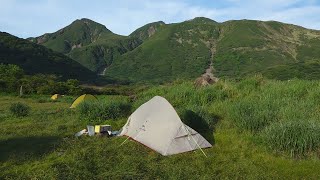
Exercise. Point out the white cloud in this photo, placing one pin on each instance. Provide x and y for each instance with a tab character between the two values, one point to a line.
303	16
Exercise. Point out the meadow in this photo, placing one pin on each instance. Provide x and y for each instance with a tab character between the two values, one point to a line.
259	128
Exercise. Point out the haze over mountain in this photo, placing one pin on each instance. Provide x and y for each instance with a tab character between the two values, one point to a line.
161	52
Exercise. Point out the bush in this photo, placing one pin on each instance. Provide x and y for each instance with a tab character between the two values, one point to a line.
20	109
295	137
97	112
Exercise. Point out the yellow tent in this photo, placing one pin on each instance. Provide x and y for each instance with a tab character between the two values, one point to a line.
83	98
55	96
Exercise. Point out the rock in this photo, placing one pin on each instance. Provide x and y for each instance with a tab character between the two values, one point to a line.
76	46
205	80
151	31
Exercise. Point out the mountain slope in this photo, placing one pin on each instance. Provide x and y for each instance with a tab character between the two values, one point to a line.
88	42
35	58
159	52
79	33
175	51
247	47
235	48
100	54
146	31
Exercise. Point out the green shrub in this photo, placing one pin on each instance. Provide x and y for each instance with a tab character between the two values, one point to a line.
295	137
20	109
97	112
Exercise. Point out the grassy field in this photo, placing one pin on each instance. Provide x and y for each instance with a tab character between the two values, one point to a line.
260	129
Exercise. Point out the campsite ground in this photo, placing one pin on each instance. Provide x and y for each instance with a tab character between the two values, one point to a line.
42	145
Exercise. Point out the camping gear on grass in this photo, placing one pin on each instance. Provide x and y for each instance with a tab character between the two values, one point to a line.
55	96
157	125
97	129
103	129
80	133
90	130
83	98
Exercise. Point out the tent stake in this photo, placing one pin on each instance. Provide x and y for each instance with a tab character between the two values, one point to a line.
128	138
195	142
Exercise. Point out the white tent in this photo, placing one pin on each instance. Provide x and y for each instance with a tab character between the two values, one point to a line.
157	125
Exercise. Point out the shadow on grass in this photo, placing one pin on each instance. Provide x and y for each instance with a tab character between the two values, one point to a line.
199	124
26	148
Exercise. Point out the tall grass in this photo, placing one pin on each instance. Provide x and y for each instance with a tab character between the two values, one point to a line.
187	95
253	113
296	137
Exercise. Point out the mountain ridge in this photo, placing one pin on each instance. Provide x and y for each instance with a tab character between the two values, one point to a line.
160	52
88	42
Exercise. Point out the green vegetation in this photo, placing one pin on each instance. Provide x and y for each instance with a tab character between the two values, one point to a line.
146	31
240	48
80	32
256	106
89	43
175	51
300	70
296	137
19	109
101	53
98	112
159	52
34	59
9	74
260	129
12	77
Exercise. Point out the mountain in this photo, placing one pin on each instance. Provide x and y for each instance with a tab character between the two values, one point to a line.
88	42
247	47
146	31
34	58
235	49
79	33
159	52
181	50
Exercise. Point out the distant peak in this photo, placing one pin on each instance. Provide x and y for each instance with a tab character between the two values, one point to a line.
155	23
202	19
89	23
160	22
85	20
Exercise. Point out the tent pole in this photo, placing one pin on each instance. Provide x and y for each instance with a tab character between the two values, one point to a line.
195	141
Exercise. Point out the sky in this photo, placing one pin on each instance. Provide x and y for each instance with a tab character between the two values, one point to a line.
31	18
